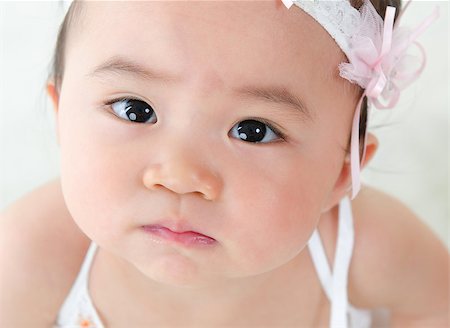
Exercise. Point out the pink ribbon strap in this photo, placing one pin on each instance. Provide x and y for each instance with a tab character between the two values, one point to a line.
378	82
388	60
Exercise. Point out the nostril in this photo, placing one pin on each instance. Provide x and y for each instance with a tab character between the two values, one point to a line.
202	194
156	187
188	181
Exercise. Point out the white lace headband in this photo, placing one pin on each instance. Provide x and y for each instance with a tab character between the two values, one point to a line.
376	51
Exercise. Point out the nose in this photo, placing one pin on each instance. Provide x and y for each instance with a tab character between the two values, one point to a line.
182	177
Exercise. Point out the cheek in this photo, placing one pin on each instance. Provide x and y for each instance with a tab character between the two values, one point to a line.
94	176
272	214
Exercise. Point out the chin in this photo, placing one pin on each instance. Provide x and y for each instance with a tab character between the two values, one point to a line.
178	271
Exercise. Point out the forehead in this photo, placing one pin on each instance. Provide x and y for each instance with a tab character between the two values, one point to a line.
223	43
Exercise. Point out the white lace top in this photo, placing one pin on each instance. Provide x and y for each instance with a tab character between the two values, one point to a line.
78	309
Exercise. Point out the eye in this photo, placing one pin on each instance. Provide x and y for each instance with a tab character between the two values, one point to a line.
254	131
134	110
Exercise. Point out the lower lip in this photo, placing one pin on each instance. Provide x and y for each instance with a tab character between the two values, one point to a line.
187	238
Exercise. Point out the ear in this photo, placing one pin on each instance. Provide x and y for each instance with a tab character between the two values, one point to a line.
343	184
54	96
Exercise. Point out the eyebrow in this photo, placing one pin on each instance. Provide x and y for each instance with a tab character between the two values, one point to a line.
270	94
276	94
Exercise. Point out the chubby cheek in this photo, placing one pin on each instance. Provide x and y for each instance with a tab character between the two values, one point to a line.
273	214
94	179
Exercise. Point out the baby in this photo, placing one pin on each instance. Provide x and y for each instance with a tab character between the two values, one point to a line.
209	179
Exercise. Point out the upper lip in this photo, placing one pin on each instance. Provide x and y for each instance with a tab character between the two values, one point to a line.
175	225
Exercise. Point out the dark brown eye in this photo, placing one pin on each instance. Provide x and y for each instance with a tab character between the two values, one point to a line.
133	110
254	131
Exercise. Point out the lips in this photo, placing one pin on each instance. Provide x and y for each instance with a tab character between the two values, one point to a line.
188	238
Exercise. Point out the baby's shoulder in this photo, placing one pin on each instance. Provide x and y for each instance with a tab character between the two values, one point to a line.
41	251
393	250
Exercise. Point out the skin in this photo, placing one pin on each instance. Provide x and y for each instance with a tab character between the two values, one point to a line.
261	202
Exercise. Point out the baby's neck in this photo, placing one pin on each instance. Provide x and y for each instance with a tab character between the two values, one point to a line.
122	294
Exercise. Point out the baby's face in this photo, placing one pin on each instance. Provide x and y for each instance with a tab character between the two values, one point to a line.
194	154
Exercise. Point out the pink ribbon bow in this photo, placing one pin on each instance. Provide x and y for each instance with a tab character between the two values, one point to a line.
384	73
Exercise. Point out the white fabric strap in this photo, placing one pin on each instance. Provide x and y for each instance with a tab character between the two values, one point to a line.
319	258
335	284
344	248
78	302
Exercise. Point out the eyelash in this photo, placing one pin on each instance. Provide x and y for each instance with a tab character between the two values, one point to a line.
277	131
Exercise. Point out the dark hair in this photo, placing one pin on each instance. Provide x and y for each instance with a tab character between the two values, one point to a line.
71	20
75	11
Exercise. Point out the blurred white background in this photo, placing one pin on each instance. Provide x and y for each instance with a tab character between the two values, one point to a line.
411	163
